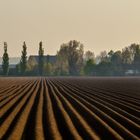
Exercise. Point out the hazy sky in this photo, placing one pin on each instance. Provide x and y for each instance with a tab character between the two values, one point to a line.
98	24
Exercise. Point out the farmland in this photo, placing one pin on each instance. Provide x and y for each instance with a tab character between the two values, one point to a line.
69	108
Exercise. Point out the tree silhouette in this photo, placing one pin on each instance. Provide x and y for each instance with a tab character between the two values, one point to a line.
5	63
72	53
23	61
41	59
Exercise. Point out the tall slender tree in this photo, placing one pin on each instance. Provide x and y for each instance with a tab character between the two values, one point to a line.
23	61
41	59
5	62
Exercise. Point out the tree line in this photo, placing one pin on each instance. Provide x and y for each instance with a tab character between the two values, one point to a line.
71	60
22	67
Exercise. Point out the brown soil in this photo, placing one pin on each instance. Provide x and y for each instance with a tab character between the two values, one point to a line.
70	108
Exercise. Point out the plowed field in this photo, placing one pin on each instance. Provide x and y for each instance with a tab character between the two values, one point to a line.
69	108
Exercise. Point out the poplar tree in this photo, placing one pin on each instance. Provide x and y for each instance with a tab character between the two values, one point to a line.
41	59
23	61
5	62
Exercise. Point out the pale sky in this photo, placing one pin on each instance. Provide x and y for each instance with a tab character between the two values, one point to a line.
98	24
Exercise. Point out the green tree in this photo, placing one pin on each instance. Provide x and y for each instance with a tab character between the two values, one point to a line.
89	55
134	49
23	61
48	69
136	62
104	68
72	54
17	69
103	56
116	58
5	63
126	56
41	59
61	67
110	54
116	61
89	67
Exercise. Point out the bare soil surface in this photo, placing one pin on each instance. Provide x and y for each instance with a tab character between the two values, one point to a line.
70	108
